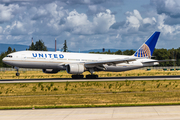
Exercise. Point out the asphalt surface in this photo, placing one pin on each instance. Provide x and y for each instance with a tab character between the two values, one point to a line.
99	79
111	113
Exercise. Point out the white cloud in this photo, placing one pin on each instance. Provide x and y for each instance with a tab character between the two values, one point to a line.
117	36
168	7
75	19
6	12
79	23
93	8
85	23
149	20
8	37
137	14
16	28
1	29
135	22
50	19
133	19
103	21
163	27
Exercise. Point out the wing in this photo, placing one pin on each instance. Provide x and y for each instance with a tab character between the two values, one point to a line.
99	64
159	61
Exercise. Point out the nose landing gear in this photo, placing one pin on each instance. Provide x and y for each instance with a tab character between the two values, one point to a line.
17	69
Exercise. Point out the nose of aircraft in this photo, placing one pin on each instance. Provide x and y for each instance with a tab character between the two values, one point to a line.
4	60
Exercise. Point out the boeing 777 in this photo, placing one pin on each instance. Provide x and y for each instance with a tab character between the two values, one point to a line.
77	63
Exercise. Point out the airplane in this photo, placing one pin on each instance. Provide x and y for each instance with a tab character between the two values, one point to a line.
77	63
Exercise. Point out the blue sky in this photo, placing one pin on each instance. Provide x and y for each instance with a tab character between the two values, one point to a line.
90	24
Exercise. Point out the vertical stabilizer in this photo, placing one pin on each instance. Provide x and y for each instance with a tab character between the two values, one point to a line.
147	49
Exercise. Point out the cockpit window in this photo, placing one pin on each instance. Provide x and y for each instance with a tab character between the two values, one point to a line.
9	56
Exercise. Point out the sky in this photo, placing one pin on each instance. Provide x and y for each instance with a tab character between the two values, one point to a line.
90	24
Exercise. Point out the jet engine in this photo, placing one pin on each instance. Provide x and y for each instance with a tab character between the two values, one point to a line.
51	71
75	68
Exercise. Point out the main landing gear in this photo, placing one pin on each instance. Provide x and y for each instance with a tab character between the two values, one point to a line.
17	69
82	76
92	76
77	76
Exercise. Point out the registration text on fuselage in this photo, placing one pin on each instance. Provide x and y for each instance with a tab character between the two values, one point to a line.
47	55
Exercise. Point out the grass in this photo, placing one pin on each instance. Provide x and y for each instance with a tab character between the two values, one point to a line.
89	94
85	106
64	74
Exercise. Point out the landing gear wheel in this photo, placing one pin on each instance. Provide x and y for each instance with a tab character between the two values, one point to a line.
17	69
77	76
91	76
17	74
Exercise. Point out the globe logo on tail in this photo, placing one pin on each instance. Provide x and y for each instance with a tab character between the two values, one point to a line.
144	51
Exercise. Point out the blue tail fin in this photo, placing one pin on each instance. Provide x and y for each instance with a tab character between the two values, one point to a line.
147	49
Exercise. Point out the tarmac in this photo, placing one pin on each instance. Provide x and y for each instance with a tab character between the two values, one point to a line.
175	77
111	113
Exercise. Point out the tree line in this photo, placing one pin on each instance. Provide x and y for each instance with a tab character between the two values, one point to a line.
159	54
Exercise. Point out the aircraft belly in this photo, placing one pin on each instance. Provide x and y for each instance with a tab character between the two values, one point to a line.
37	65
121	68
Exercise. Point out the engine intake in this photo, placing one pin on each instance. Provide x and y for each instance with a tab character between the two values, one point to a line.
51	71
75	68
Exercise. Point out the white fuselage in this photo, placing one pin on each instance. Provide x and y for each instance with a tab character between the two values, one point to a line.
59	60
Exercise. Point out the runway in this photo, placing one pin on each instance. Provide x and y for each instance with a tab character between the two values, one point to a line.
84	80
112	113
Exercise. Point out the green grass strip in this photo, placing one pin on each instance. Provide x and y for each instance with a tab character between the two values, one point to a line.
88	106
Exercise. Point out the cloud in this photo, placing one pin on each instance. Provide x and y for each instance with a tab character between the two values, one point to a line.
85	2
39	13
85	23
163	27
64	2
103	21
135	22
95	9
17	28
25	2
168	16
172	21
169	7
52	20
79	23
116	25
6	12
1	29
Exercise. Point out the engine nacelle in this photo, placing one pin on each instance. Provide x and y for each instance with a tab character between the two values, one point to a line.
51	71
75	68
